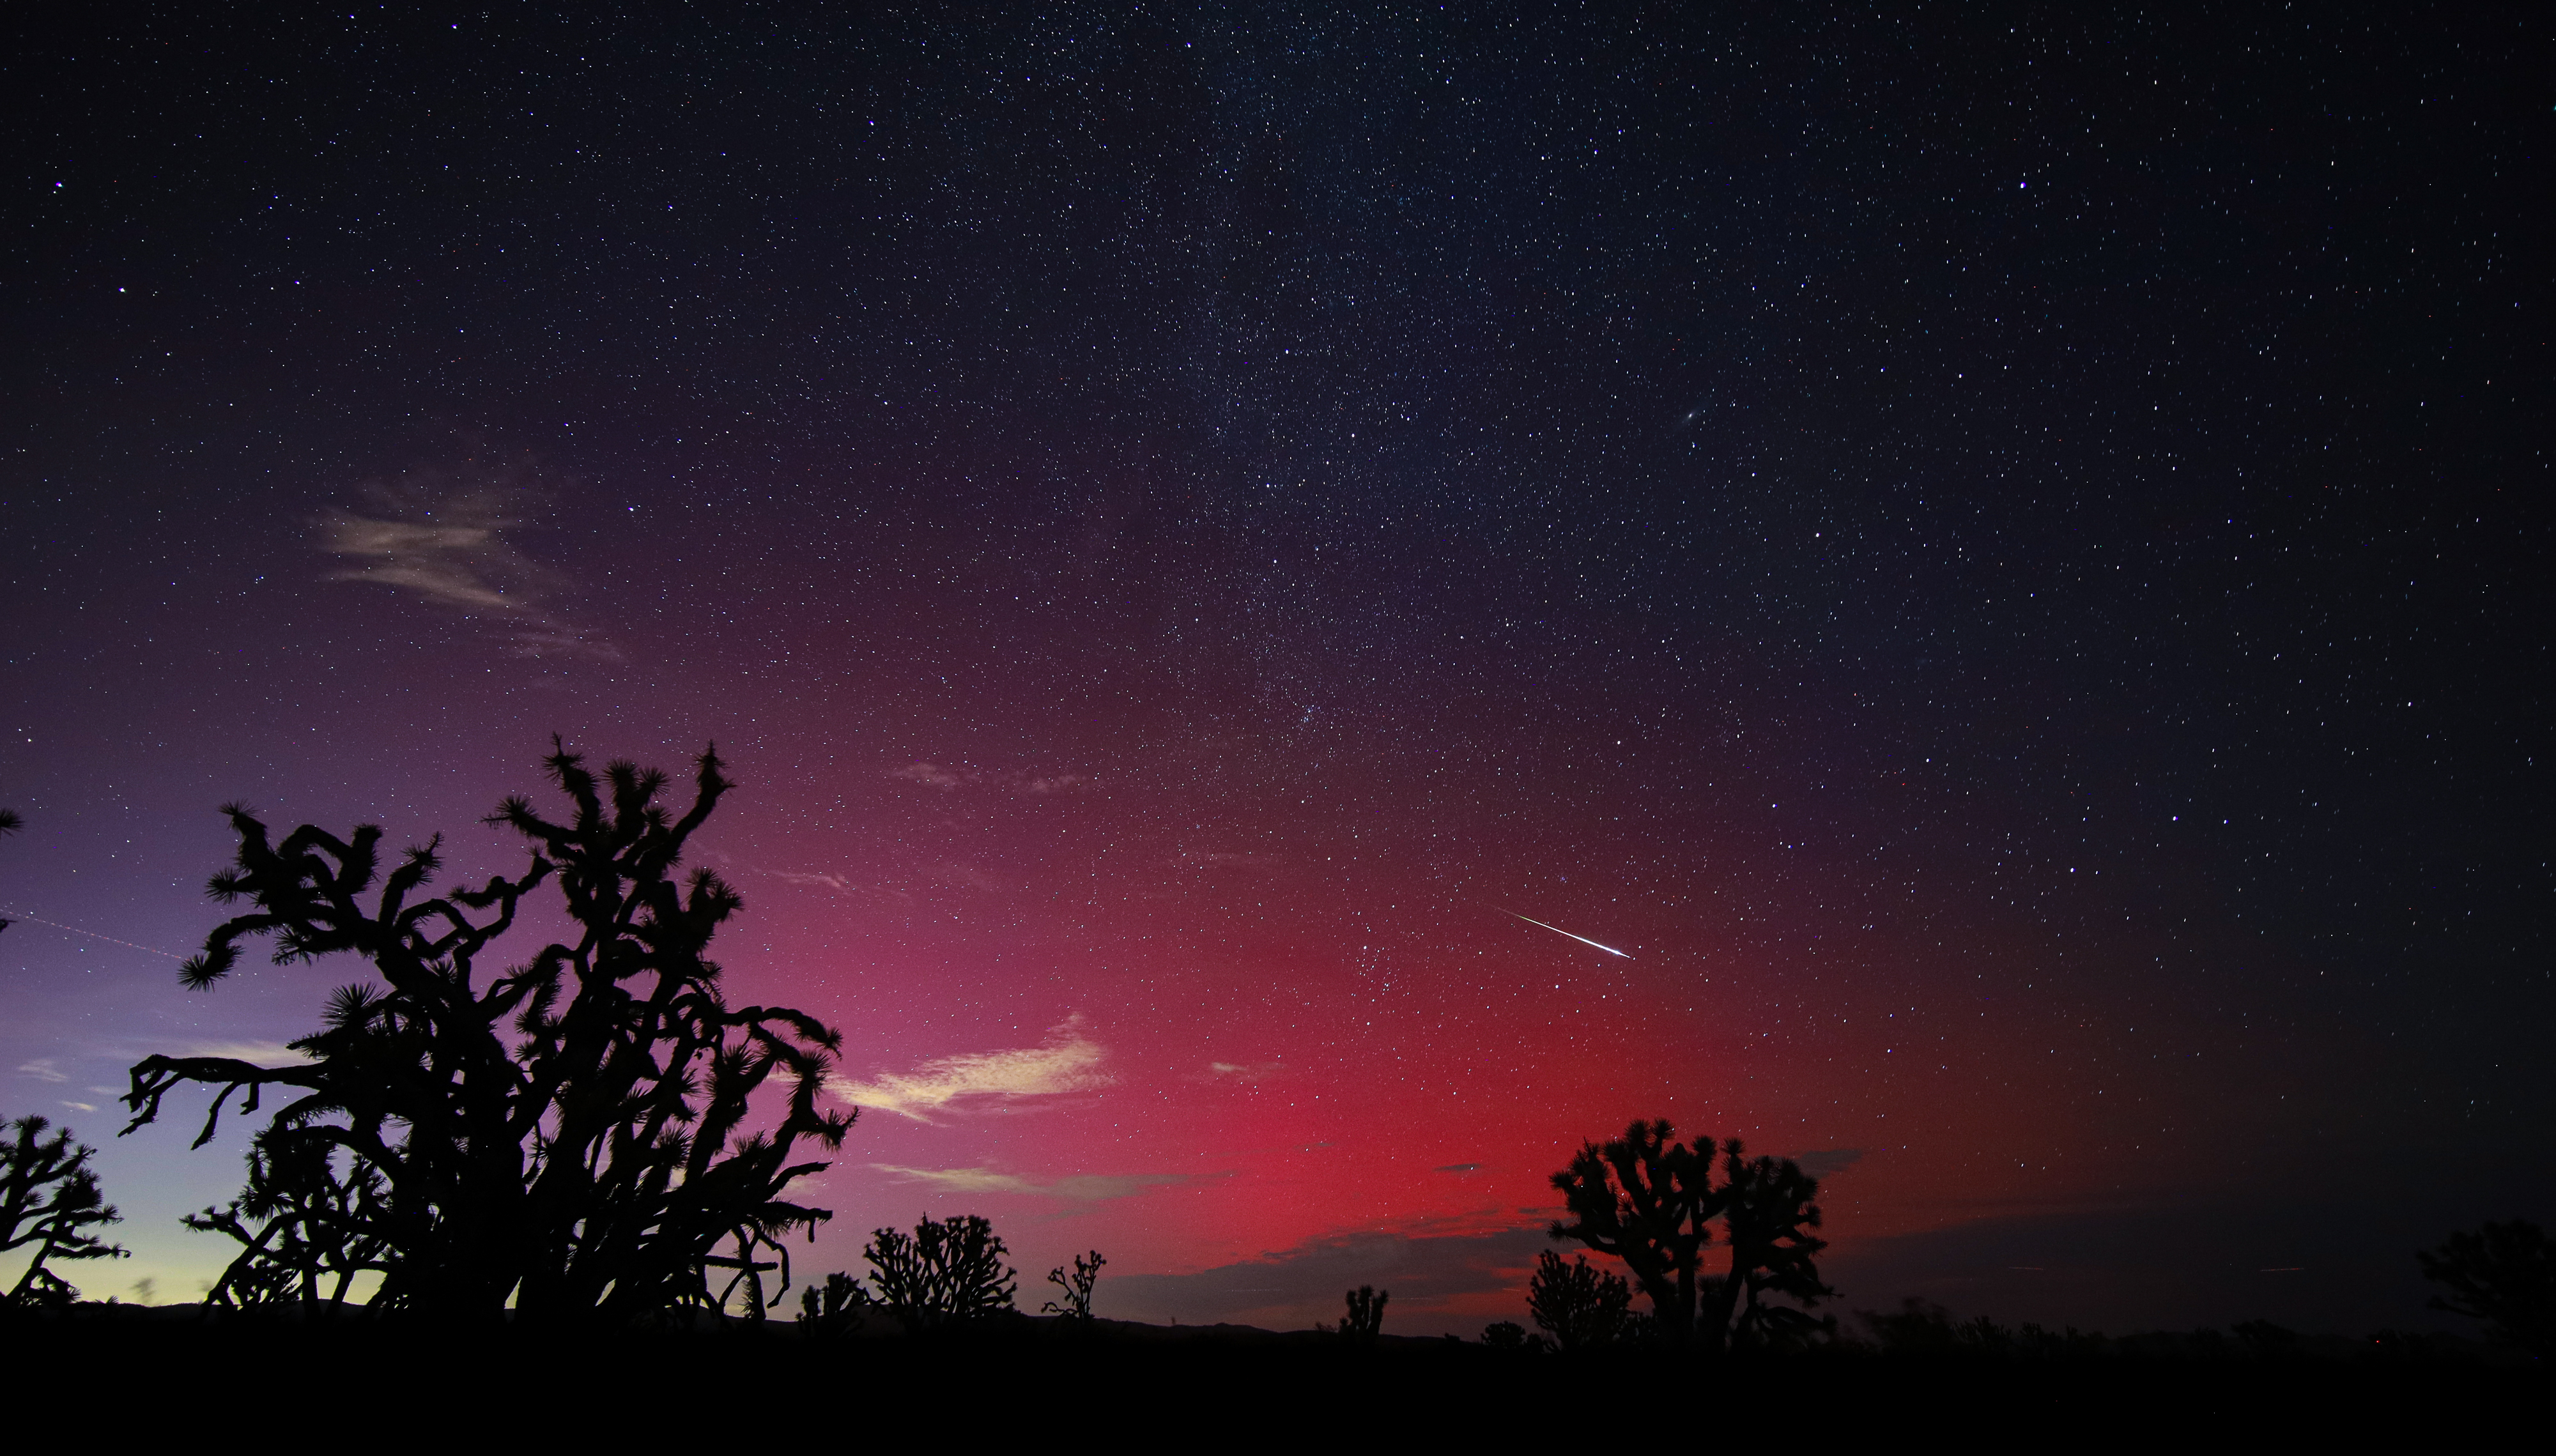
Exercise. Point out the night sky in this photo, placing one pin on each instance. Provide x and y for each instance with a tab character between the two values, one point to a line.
1996	552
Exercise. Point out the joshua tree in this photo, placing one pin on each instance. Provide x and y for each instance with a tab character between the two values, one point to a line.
300	1226
1077	1308
50	1199
2503	1275
947	1271
1578	1305
1366	1317
590	1164
1768	1216
1651	1201
1634	1198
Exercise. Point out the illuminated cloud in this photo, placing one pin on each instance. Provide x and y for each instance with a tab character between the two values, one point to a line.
443	541
1079	1187
264	1053
841	885
43	1071
1068	1061
1240	1072
940	776
1828	1162
931	774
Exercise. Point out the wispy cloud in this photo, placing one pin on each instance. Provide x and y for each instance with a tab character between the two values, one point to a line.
43	1071
1077	1187
1240	1072
841	885
943	777
79	1106
1068	1061
1228	862
442	539
1825	1163
265	1053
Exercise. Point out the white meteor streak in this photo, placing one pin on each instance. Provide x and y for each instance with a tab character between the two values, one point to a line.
1558	930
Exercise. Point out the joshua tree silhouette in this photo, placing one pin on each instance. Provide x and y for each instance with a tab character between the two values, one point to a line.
947	1271
301	1225
49	1198
1768	1216
1578	1305
1651	1201
588	1167
2503	1275
1077	1308
1366	1317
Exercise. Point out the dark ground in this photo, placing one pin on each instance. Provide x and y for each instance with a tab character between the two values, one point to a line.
137	1371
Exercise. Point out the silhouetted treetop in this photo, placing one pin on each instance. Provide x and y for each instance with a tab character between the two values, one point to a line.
947	1271
569	1133
48	1202
2505	1275
1653	1202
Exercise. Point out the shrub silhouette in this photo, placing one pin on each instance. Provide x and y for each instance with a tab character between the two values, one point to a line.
49	1201
588	1167
946	1272
1508	1334
1580	1306
1078	1289
2505	1275
835	1307
1651	1201
1925	1328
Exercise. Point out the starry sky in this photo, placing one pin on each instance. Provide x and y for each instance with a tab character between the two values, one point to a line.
1993	551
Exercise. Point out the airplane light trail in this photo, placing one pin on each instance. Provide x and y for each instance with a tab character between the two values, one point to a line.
1583	940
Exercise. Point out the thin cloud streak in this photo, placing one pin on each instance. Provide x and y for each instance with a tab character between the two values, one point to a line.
1068	1061
1078	1187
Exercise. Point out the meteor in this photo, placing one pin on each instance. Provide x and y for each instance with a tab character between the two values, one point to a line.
1558	930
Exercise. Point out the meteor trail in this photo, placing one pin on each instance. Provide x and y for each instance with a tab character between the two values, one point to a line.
1558	930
